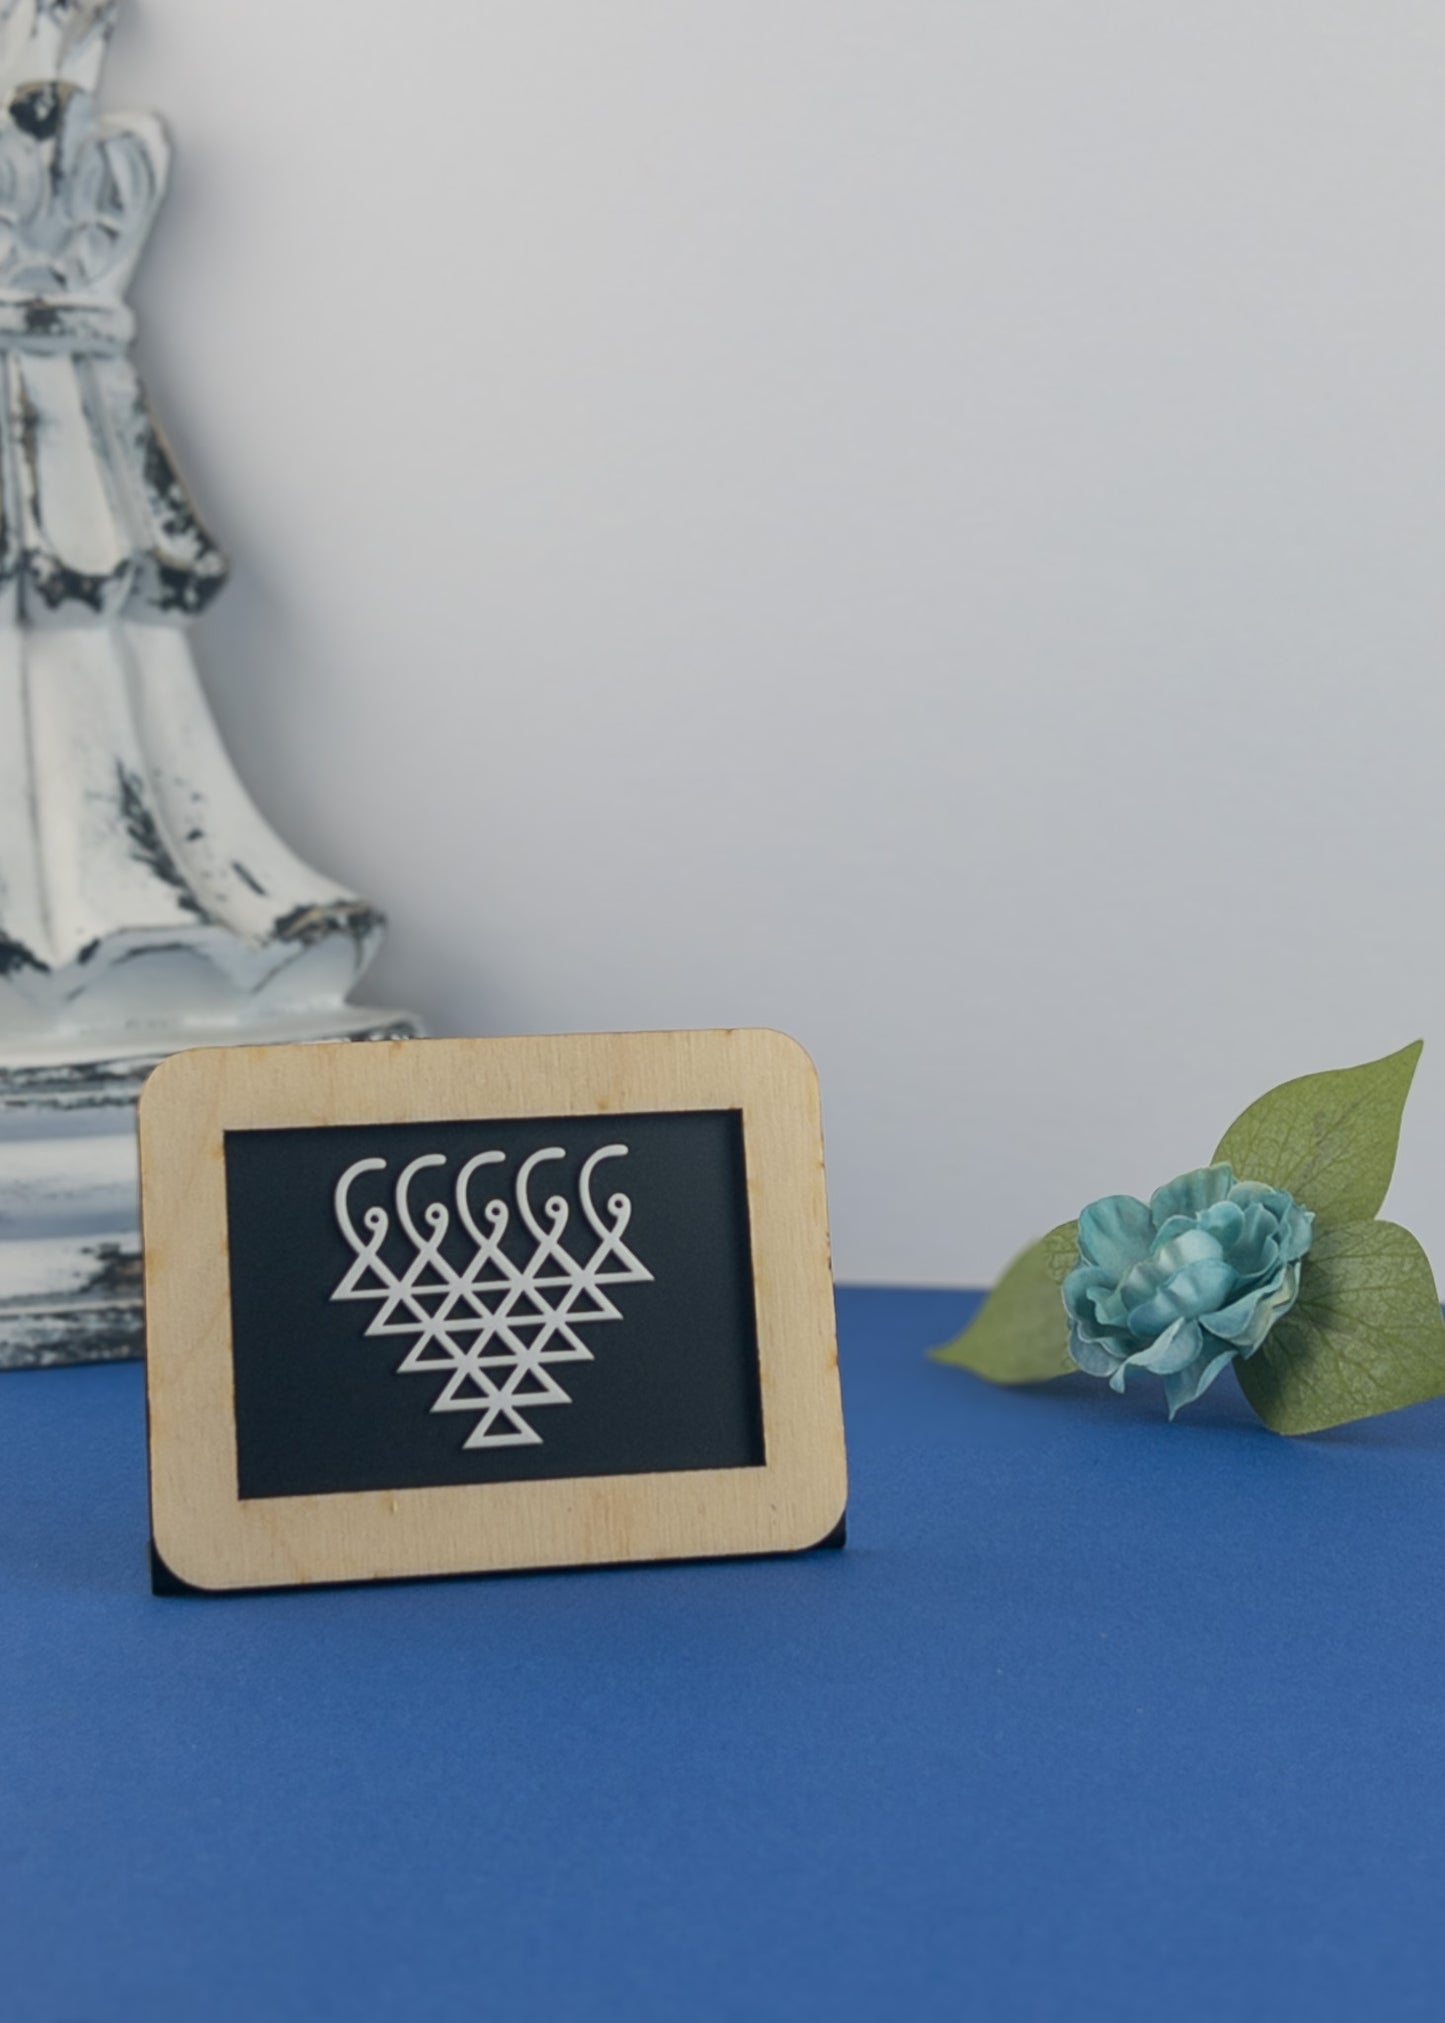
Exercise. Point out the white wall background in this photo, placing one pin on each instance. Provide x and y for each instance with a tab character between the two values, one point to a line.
921	522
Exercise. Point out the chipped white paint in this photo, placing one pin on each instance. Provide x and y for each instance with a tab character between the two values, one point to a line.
145	904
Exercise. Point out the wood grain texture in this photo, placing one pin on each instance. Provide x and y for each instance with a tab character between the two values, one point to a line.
212	1540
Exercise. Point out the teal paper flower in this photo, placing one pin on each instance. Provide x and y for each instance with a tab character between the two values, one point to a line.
1209	1272
1184	1284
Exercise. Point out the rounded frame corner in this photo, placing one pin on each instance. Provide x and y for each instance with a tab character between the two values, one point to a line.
164	1081
791	1050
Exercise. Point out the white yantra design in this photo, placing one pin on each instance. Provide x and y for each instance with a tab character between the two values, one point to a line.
493	1325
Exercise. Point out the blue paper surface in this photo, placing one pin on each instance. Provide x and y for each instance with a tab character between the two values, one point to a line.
1095	1717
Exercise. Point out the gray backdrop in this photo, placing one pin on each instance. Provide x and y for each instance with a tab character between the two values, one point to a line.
920	524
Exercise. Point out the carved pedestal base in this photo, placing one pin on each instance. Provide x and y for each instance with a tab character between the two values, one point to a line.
70	1253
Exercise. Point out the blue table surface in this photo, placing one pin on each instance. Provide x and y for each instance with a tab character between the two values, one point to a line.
1095	1717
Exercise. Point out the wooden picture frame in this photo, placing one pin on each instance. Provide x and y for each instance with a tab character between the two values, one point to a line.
256	1481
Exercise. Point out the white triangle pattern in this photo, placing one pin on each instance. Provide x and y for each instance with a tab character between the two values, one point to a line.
493	1327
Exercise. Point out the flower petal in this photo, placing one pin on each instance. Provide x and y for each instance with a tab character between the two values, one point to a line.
1191	1193
1080	1283
1224	1222
1184	1386
1177	1347
1256	1251
1259	1194
1195	1245
1197	1290
1092	1357
1111	1316
1141	1282
1115	1232
1298	1232
1248	1320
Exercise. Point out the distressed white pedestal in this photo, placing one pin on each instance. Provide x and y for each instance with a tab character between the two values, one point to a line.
145	903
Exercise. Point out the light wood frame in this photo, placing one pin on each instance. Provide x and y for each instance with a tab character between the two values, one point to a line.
208	1538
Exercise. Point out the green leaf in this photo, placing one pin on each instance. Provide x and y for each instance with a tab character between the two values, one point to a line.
1329	1139
1021	1333
1365	1335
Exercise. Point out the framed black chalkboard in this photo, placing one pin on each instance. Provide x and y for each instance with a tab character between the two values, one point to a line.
461	1306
